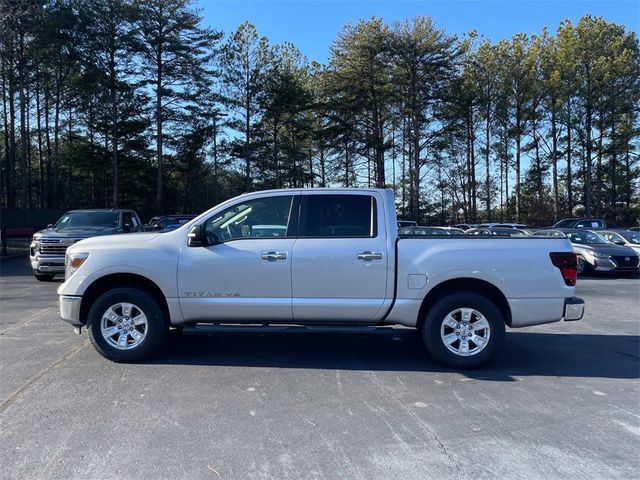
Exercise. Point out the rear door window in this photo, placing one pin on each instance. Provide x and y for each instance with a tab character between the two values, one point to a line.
340	216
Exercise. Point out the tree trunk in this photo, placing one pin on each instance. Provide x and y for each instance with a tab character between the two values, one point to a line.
588	189
4	201
598	193
554	163
487	144
56	139
276	164
323	178
114	123
613	167
11	163
569	154
23	125
40	149
415	212
518	148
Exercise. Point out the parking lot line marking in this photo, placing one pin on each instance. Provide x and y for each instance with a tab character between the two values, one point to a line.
42	373
28	320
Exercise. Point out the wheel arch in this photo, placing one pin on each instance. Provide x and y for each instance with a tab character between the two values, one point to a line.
482	287
108	282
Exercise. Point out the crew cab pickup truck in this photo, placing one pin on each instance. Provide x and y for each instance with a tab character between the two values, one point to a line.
46	253
331	258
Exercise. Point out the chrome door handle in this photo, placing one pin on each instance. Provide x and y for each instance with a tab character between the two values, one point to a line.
274	256
368	256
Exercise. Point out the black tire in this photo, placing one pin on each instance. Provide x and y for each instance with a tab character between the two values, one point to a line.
583	266
43	277
431	330
156	330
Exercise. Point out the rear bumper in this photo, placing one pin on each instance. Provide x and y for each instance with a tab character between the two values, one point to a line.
526	312
69	308
573	309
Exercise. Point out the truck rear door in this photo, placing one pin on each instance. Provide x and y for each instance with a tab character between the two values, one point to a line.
340	259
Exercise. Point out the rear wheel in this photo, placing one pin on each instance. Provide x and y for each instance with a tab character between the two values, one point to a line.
463	330
126	325
43	277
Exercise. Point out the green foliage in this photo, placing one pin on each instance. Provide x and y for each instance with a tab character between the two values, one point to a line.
135	102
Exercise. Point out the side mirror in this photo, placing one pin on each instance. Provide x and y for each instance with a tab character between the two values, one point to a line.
198	237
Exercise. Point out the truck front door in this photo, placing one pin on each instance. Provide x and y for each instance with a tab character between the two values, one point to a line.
245	272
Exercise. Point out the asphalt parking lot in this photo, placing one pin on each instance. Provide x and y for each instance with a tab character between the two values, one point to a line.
562	401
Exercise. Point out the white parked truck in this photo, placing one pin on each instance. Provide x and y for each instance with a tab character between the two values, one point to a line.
316	259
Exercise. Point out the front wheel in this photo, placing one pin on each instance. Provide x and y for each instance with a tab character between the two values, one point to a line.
583	266
463	330
126	325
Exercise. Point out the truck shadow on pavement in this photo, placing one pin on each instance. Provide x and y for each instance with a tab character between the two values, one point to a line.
524	354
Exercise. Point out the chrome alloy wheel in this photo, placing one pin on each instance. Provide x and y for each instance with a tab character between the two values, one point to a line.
124	326
465	332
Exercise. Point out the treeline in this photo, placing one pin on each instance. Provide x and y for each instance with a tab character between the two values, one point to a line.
135	103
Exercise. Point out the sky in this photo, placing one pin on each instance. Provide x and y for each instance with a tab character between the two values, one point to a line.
312	25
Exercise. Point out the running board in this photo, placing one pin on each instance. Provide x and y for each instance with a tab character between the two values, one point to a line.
204	328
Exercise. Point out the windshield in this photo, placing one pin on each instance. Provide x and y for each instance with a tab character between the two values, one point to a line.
587	238
632	237
564	223
87	220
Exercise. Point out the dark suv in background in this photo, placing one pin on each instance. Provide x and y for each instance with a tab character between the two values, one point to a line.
590	223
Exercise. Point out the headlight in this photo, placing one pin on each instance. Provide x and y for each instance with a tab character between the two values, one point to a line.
72	262
600	255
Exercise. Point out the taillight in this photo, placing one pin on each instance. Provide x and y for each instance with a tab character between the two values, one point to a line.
568	265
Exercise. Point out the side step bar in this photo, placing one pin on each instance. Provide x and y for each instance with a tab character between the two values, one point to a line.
205	328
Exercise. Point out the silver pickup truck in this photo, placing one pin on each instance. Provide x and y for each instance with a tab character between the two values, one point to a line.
49	246
315	258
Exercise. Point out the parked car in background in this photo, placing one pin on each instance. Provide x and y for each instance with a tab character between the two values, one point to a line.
500	232
549	233
266	231
623	237
166	223
48	246
634	229
596	253
410	231
590	223
454	230
465	226
407	223
519	226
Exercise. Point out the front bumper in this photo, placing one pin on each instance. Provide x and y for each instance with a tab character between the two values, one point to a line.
573	309
613	264
602	264
69	308
47	264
